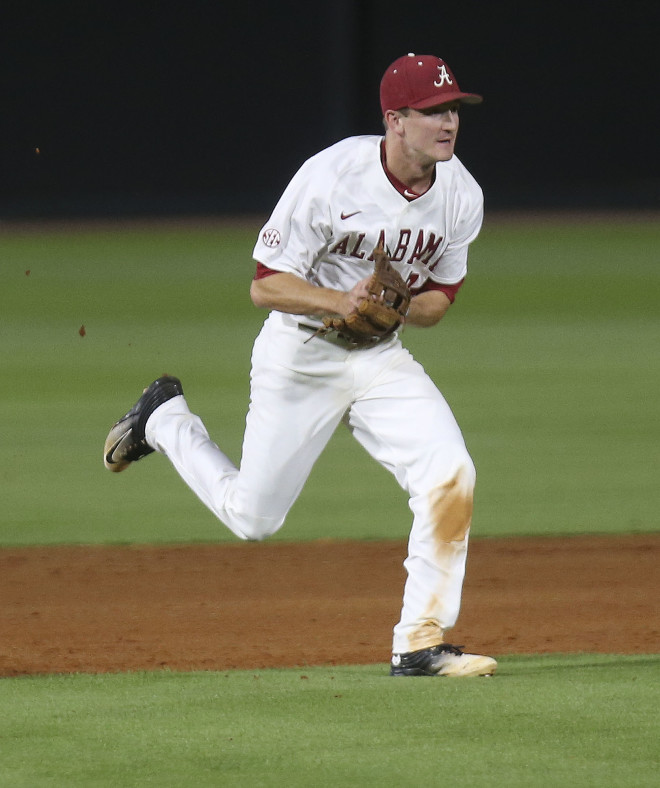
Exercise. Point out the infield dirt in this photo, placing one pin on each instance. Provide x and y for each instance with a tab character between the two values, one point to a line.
254	606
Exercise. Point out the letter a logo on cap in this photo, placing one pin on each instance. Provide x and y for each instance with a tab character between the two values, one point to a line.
443	77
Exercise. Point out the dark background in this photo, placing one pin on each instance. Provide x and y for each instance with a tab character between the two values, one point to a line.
197	107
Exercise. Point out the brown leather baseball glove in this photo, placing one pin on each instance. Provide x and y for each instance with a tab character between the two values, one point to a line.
381	312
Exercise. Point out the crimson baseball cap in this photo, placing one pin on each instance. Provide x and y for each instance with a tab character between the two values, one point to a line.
421	81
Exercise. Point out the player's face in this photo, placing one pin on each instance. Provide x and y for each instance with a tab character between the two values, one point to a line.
431	133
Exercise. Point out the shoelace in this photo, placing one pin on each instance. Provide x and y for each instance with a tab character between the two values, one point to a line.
455	650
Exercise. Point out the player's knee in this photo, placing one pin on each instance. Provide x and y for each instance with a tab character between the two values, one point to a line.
450	502
459	473
258	529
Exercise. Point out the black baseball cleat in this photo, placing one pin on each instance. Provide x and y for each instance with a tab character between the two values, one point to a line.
126	442
441	660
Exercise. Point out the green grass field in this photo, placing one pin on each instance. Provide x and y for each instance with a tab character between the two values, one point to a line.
549	358
544	721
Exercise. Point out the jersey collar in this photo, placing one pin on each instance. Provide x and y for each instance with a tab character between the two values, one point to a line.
403	190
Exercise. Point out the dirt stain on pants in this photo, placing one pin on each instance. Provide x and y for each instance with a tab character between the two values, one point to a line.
450	505
451	509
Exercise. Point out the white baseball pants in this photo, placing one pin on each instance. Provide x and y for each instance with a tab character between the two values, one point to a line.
300	391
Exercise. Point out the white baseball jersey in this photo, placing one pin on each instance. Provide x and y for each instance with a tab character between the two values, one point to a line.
334	212
341	204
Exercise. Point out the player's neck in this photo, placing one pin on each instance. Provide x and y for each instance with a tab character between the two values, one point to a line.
413	172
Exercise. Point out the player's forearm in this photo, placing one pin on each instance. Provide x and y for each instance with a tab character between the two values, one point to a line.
289	293
427	309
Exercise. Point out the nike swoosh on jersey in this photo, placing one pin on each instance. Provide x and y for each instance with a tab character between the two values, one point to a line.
348	215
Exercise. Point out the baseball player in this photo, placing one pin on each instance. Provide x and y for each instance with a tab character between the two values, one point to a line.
405	192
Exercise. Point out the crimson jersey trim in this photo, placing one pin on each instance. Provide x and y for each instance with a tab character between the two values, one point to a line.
263	271
403	190
449	290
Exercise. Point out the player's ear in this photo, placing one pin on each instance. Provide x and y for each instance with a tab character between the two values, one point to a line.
393	120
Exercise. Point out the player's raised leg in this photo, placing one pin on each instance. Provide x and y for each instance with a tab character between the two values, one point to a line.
292	415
